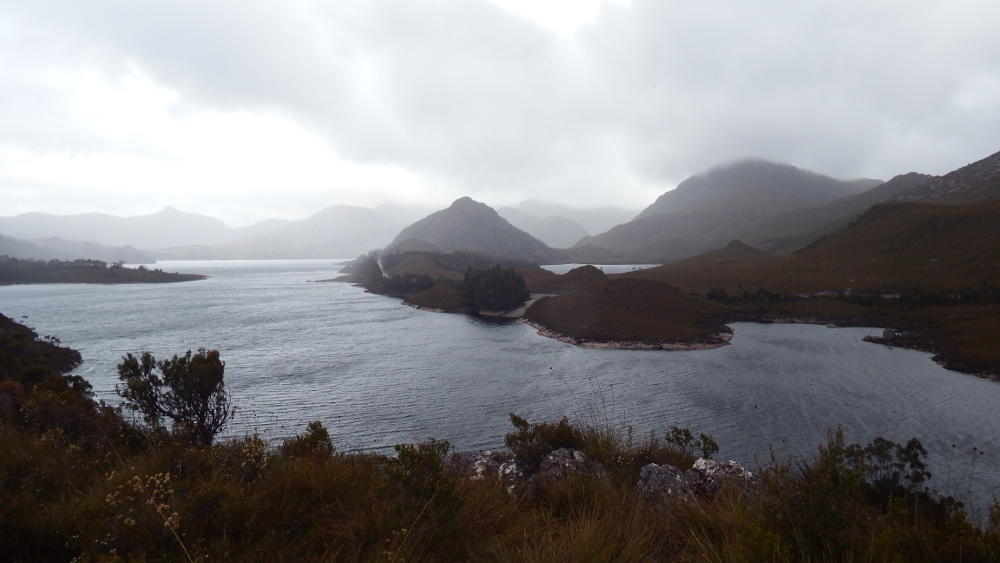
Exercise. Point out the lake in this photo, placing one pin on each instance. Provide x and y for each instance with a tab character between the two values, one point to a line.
377	372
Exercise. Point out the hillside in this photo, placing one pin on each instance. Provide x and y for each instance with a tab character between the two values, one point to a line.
730	267
708	209
897	244
630	313
470	226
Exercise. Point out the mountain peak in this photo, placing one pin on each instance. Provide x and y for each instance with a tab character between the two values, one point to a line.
471	226
466	202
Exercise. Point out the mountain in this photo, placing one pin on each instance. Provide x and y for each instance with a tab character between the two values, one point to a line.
708	209
338	231
60	249
753	188
555	231
471	226
168	227
592	219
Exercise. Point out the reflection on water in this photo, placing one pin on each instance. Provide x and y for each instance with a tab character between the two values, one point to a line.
378	373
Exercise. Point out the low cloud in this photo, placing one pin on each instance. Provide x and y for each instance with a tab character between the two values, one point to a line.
424	101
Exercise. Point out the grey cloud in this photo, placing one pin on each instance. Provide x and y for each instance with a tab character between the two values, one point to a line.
484	102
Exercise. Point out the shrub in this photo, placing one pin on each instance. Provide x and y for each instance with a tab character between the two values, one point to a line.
189	390
496	289
530	443
315	442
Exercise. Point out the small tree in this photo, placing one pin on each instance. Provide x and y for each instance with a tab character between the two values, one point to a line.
188	390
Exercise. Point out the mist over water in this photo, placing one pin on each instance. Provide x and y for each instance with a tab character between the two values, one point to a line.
377	373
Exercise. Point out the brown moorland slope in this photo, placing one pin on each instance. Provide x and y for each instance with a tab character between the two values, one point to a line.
905	244
893	245
631	311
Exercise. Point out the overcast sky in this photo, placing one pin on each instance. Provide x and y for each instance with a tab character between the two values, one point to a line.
250	109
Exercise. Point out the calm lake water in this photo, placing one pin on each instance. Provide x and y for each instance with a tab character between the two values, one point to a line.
377	373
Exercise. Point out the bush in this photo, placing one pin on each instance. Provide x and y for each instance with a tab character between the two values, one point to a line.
494	289
315	442
188	390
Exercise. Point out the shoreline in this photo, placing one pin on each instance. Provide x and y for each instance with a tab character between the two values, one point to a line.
717	340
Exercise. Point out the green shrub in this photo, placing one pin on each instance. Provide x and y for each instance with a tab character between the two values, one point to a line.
315	442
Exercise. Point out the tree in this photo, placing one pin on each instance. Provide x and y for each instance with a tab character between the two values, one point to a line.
495	288
188	390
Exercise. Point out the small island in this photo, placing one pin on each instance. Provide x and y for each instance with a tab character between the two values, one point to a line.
25	271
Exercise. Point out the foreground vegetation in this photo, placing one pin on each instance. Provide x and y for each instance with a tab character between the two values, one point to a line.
18	270
82	480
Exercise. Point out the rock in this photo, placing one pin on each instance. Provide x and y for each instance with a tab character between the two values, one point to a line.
480	464
888	334
713	474
662	482
512	473
564	461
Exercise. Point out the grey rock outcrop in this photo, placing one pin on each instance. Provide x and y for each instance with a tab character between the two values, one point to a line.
705	478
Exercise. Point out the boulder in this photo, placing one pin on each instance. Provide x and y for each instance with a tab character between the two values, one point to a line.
711	474
479	464
662	482
564	461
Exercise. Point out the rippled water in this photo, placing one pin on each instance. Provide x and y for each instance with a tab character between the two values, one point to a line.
379	373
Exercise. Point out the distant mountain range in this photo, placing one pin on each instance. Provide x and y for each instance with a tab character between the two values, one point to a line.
168	227
59	249
339	231
775	207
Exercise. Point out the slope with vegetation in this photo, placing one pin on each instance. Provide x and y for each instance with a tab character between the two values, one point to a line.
81	481
631	313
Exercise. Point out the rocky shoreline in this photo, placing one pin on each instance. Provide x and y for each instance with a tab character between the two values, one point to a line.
717	340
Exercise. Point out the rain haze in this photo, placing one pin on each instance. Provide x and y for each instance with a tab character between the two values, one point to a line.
250	110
